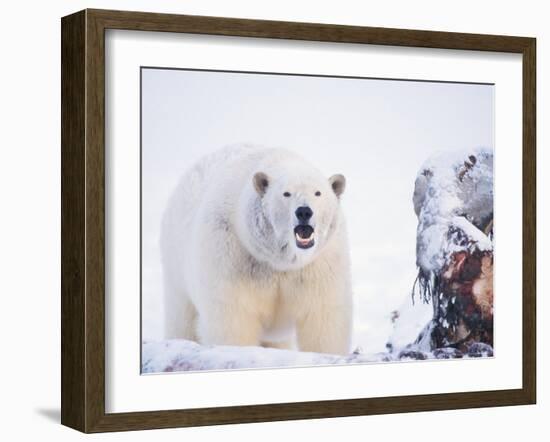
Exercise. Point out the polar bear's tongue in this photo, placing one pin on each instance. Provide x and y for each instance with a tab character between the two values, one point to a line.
304	236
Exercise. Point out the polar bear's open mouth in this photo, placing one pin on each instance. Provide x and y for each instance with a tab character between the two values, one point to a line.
304	236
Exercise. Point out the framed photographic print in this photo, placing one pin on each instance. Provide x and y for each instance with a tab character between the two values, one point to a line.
271	220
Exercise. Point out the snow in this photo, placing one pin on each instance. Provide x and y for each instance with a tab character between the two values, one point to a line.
182	355
412	318
179	355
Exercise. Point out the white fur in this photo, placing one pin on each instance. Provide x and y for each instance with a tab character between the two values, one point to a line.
232	271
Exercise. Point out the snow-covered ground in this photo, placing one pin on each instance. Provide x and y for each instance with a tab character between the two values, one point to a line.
377	133
180	355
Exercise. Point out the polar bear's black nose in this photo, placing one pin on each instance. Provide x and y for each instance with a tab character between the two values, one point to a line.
304	214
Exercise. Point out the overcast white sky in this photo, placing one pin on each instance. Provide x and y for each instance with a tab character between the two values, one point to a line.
376	132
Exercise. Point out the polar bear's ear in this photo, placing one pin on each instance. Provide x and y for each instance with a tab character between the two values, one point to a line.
338	184
261	183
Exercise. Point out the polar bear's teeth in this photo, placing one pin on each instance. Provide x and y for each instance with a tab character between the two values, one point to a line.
304	240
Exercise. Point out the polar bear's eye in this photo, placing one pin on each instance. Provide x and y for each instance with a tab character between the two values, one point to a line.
287	194
317	193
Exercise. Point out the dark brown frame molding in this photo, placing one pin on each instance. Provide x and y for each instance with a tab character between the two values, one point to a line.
83	216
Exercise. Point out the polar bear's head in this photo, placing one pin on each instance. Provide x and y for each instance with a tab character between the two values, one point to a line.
293	212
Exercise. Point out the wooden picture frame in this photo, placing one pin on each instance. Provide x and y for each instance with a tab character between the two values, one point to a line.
83	219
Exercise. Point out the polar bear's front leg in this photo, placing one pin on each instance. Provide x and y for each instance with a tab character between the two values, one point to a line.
326	329
229	322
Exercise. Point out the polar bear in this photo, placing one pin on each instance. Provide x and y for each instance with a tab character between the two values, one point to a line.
254	252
